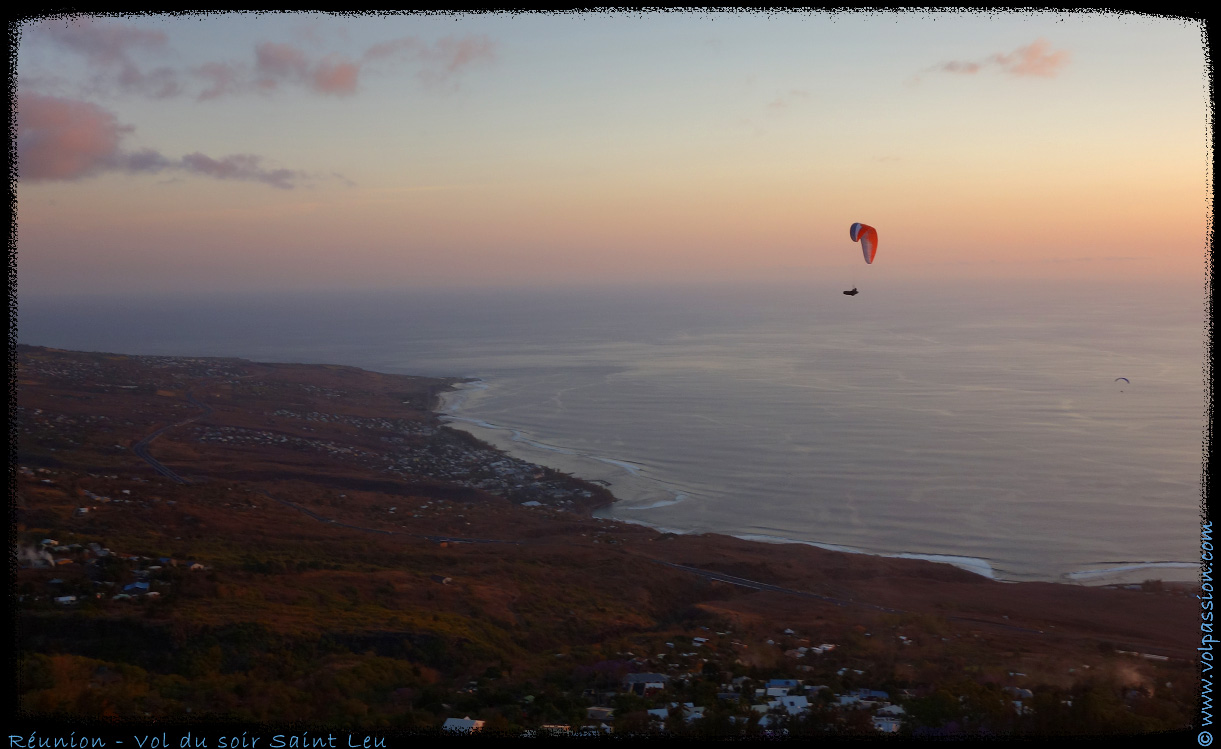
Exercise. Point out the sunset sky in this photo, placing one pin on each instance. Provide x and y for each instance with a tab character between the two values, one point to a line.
304	151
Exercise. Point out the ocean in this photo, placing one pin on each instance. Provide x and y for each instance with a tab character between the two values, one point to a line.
977	423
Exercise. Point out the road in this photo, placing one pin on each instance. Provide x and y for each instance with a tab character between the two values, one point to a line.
141	447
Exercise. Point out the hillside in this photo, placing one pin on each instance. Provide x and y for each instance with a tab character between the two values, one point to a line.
282	543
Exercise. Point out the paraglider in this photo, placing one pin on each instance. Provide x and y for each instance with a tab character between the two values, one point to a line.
868	237
1123	379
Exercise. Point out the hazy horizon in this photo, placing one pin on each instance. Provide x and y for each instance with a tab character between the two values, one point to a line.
73	320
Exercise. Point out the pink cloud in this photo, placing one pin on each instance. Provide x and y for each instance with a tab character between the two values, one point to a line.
161	83
448	56
442	60
335	77
391	48
281	60
456	54
107	48
278	63
1034	59
64	138
961	67
284	63
103	44
223	78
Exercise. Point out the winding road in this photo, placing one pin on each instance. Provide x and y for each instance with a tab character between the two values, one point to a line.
141	447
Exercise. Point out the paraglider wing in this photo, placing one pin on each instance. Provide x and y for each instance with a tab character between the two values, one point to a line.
1125	379
868	237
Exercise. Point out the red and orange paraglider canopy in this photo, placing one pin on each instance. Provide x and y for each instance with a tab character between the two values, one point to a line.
868	237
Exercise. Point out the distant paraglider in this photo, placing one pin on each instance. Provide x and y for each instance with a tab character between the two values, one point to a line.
868	237
1123	380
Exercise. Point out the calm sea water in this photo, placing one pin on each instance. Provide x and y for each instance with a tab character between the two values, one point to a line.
981	425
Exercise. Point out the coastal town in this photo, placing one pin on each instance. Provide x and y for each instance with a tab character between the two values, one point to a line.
262	542
403	447
681	689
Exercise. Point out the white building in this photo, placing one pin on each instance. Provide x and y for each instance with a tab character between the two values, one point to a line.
795	704
462	725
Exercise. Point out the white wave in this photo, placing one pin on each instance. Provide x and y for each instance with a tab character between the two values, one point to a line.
452	401
970	564
476	422
1105	572
676	499
632	468
517	435
782	540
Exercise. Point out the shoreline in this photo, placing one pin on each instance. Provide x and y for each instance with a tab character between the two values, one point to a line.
325	503
449	394
452	401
